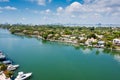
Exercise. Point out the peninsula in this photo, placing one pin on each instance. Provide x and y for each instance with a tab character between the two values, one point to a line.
100	37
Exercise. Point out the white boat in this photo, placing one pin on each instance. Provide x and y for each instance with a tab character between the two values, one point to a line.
2	56
22	76
12	67
7	62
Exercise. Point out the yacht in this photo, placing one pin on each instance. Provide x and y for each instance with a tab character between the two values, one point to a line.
12	67
23	76
2	56
7	62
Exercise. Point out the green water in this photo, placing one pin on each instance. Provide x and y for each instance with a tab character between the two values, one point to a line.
57	61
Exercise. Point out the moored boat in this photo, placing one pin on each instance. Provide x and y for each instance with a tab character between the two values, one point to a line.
2	56
12	67
23	76
7	62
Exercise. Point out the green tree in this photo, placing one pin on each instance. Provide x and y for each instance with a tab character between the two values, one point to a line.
3	67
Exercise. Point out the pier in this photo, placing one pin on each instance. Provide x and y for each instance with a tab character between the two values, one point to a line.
7	68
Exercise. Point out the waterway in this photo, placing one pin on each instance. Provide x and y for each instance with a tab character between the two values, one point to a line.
58	61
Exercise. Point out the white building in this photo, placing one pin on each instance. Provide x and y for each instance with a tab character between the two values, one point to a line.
101	43
116	41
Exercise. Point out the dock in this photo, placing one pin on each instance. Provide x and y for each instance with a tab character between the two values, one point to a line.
10	67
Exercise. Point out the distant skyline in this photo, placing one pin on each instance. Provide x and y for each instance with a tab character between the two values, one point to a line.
60	11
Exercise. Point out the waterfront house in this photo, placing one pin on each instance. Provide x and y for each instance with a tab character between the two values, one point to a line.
101	44
116	42
24	31
88	43
82	38
36	32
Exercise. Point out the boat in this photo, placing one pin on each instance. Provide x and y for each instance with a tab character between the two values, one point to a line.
12	67
23	76
7	62
2	56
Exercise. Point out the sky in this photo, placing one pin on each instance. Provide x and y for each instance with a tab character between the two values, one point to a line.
60	11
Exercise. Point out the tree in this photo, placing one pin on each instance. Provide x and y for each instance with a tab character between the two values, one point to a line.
92	35
109	45
8	73
3	67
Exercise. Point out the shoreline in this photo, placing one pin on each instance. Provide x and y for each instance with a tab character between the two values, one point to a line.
65	42
97	37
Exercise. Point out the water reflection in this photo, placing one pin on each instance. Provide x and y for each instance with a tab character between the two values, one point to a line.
97	52
86	51
22	36
117	57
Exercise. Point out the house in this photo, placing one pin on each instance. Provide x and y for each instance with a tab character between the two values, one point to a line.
36	32
101	44
116	41
82	38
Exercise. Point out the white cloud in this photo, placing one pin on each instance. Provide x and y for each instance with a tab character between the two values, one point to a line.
4	0
59	9
42	2
74	7
44	12
89	1
116	14
0	8
90	12
23	18
44	17
73	16
10	8
102	7
47	11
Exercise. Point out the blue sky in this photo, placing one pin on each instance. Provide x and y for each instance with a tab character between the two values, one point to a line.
60	11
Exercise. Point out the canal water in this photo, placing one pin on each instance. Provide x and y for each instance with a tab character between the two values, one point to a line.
58	61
